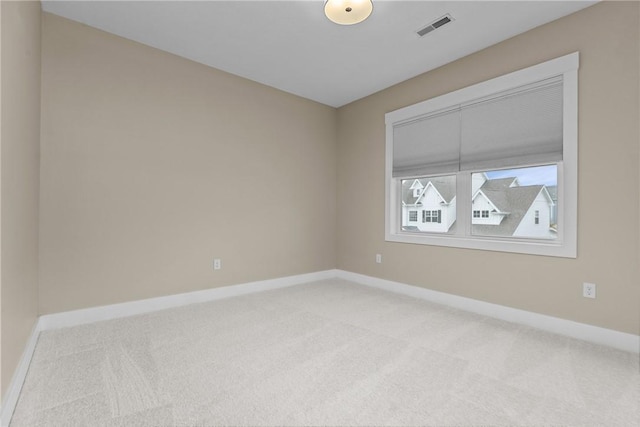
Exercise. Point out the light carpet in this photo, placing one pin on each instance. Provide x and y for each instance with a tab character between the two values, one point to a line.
325	353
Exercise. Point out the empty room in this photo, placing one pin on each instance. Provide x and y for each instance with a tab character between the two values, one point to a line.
320	213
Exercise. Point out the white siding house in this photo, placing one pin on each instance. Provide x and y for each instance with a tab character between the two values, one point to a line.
429	204
537	221
503	207
500	207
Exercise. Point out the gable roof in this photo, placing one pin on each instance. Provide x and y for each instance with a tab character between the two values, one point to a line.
513	200
416	185
499	184
445	185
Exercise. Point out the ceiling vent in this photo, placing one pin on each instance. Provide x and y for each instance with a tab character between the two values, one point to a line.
435	25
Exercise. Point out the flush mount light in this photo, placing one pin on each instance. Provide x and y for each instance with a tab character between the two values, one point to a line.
348	12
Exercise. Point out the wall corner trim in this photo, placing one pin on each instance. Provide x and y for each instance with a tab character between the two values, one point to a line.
13	392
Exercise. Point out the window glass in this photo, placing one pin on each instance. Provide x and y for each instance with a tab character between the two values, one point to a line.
434	205
515	202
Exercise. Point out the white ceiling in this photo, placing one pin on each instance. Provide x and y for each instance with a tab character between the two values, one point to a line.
292	46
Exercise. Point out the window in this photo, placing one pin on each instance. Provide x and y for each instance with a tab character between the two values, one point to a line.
497	162
432	216
413	216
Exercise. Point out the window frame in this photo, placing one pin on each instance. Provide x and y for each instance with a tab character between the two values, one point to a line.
566	243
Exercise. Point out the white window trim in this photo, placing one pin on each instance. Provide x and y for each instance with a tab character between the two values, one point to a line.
566	243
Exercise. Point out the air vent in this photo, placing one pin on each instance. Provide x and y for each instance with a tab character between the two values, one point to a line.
435	25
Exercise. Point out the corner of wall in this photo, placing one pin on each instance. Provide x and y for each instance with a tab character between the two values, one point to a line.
20	37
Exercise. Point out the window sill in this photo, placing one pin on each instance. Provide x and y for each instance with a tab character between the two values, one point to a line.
520	246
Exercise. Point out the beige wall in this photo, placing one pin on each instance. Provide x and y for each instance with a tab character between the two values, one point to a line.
19	144
608	40
153	165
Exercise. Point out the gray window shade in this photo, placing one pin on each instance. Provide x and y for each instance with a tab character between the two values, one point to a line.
429	145
519	127
516	128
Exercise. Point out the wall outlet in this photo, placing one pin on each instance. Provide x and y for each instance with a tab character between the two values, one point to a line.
589	290
378	258
217	264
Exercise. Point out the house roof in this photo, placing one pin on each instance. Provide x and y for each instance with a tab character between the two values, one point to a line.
445	185
497	184
407	193
513	200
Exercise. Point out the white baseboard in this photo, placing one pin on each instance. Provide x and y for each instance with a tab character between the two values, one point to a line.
132	308
13	392
590	333
611	338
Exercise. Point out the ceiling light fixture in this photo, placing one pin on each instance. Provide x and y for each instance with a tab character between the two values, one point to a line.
348	12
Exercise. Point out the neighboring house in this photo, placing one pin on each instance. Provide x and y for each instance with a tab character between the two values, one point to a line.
429	204
500	207
503	207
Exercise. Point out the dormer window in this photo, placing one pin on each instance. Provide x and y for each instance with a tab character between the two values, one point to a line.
416	188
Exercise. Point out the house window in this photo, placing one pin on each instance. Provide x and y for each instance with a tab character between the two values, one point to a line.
432	216
489	139
413	216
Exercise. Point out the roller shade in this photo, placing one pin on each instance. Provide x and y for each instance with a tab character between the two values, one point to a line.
515	128
429	145
519	127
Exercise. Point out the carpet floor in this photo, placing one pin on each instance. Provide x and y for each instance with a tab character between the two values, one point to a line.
328	353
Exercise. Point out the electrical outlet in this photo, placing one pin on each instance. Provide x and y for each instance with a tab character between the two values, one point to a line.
217	264
378	258
589	290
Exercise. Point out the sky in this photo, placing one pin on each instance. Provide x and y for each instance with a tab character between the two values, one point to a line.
539	175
